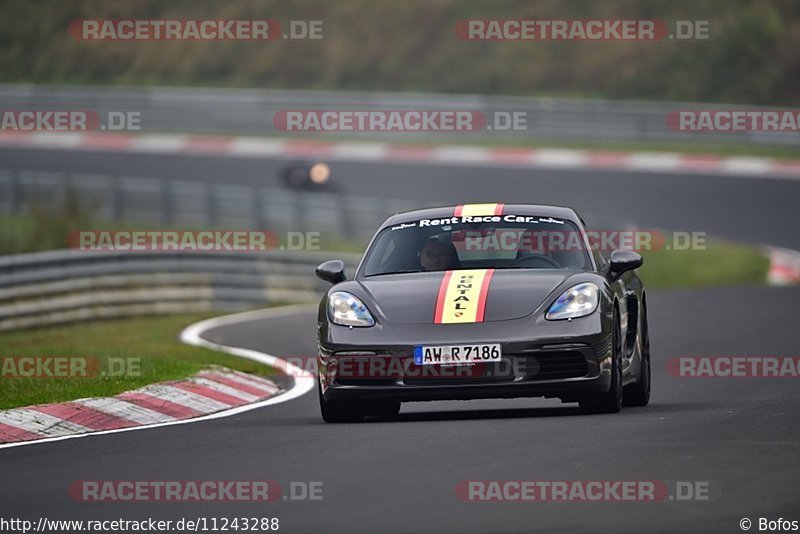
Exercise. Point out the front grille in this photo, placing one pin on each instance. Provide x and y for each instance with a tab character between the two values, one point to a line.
526	367
532	366
363	370
480	373
551	365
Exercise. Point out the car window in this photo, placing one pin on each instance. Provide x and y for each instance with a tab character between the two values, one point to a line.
508	242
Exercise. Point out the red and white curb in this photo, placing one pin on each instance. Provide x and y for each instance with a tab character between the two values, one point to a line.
210	394
260	147
205	393
784	266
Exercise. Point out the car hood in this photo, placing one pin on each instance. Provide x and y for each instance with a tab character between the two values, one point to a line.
509	294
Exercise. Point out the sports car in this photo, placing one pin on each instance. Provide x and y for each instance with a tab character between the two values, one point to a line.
482	301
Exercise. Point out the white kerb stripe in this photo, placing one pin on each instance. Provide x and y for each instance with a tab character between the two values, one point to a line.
126	410
362	151
251	146
460	154
227	390
257	380
746	165
653	160
559	157
57	139
267	388
183	397
41	423
157	143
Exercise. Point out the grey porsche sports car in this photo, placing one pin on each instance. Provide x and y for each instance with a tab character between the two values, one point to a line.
482	301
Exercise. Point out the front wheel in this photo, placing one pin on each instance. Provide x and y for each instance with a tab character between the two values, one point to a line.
639	393
610	402
339	411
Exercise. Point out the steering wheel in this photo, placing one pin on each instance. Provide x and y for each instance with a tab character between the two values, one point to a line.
535	258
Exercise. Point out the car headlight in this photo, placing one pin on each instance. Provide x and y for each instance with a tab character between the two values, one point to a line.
347	310
577	301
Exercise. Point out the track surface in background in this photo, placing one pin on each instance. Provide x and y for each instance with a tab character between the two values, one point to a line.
741	435
759	210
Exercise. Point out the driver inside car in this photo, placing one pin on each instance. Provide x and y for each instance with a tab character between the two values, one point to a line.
438	255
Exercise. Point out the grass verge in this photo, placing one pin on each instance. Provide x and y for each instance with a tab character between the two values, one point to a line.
721	263
151	340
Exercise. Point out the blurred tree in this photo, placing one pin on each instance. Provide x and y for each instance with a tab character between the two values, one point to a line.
752	56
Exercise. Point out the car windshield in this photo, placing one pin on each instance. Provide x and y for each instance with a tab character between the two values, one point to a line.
498	242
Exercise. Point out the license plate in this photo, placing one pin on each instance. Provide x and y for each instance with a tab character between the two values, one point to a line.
456	354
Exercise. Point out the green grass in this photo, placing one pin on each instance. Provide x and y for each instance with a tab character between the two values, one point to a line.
153	339
722	263
45	227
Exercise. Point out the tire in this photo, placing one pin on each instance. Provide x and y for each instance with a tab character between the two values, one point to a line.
339	411
638	394
611	401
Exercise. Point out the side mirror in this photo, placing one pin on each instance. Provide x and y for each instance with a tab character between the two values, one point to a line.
623	261
331	271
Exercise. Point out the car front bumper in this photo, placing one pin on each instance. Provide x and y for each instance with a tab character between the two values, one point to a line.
571	362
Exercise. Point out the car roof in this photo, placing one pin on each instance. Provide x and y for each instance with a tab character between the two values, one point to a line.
541	210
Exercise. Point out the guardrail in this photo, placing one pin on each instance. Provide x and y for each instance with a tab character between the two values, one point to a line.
251	112
64	286
167	201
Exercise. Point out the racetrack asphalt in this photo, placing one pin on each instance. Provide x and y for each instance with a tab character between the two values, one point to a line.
756	210
739	435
